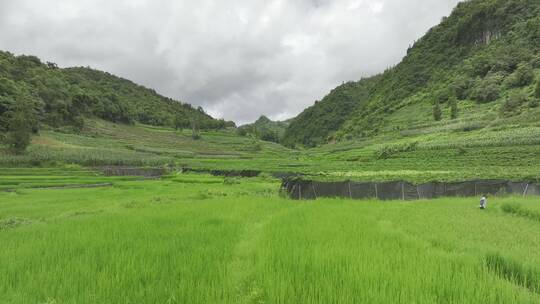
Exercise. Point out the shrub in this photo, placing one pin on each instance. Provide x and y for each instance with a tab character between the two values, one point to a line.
269	135
523	76
443	96
21	122
537	89
487	90
241	131
512	104
461	87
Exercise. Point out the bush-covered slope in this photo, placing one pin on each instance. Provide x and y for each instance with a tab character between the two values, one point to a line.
63	97
485	52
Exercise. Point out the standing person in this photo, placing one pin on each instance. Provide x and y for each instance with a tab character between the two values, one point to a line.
483	202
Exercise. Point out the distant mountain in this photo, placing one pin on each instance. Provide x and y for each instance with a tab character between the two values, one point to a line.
483	58
265	129
63	97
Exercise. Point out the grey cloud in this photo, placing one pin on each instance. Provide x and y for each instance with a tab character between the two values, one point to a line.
238	59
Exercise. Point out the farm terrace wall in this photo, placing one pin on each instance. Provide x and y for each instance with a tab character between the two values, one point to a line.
304	189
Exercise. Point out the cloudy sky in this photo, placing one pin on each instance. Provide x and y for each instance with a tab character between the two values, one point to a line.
237	59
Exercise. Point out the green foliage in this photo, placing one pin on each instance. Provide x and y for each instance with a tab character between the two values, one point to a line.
512	104
523	76
487	89
264	129
437	112
537	89
268	135
454	110
70	94
461	87
181	122
241	131
195	131
21	122
18	136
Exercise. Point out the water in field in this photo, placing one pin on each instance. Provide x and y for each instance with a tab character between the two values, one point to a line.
201	239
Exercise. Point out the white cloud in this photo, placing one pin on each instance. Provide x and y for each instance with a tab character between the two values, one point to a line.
238	59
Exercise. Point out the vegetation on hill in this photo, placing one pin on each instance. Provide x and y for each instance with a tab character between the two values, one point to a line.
61	98
486	51
317	124
264	129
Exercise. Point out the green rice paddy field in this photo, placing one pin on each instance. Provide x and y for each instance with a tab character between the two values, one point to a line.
190	238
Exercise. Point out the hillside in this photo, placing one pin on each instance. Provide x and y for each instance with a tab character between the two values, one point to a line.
479	68
265	129
64	97
317	124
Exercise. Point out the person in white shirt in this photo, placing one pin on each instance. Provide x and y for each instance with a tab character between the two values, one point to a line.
483	202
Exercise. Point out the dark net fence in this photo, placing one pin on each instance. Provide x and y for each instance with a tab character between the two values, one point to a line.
303	189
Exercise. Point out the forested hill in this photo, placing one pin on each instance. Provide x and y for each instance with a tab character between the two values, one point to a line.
64	97
485	55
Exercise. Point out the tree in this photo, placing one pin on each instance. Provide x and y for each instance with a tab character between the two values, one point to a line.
269	135
52	65
241	131
195	133
512	104
487	90
453	108
21	121
461	87
180	122
437	113
443	96
523	76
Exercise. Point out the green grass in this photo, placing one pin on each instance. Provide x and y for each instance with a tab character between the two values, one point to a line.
193	238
